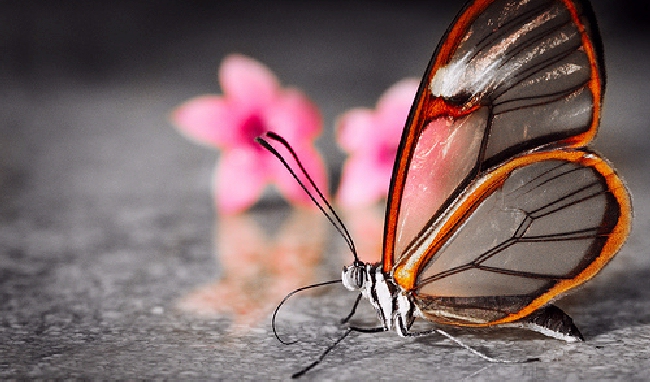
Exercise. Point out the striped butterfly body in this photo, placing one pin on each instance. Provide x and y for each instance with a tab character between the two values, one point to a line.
495	206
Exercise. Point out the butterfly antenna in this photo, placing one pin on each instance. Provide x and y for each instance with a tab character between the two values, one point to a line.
330	213
277	308
323	354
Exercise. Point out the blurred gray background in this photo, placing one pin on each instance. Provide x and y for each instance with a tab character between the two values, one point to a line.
106	215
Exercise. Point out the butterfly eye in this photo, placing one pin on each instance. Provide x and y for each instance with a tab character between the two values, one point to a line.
354	277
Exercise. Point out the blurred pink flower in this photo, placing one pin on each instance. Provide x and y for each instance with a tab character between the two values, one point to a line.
371	138
366	225
252	104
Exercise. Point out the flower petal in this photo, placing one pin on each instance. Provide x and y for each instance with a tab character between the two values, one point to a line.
362	183
371	137
355	130
399	97
248	83
253	103
294	116
393	108
239	180
206	119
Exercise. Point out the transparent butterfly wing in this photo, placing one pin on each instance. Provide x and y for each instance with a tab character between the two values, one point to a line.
525	233
509	77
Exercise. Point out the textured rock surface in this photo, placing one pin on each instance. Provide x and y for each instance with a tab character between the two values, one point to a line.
106	219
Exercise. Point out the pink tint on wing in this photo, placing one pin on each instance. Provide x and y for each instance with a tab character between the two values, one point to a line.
445	153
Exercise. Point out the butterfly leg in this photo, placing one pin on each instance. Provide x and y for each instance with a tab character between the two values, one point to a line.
353	311
404	331
322	356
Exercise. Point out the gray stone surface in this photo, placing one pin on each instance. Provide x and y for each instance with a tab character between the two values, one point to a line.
111	255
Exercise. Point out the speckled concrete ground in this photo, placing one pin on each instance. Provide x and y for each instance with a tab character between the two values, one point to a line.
113	264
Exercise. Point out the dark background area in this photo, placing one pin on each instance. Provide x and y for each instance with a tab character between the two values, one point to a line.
95	40
341	53
106	215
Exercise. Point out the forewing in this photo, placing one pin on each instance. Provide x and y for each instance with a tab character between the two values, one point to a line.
526	232
507	78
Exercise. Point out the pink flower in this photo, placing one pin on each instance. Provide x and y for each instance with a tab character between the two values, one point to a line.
252	104
371	138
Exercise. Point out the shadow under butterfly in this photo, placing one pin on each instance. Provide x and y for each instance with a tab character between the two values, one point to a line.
496	207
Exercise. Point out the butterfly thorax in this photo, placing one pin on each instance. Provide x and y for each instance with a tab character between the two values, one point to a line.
393	304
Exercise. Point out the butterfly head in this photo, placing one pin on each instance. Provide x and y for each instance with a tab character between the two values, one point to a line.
354	276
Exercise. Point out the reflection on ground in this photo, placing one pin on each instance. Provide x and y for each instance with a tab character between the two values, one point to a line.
259	266
265	255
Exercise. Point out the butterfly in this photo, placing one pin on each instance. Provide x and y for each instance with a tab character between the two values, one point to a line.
496	207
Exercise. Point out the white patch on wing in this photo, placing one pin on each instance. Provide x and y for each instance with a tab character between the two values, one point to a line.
451	79
479	72
458	317
461	76
541	329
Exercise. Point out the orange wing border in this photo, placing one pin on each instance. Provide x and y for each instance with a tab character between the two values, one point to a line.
426	107
406	272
